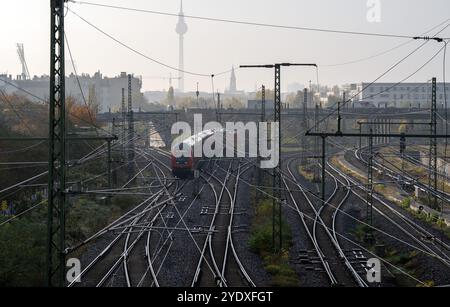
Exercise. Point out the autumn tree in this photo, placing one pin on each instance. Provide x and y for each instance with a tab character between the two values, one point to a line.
80	114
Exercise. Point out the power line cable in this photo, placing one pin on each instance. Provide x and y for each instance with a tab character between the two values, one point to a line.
248	23
8	101
78	81
383	52
46	102
379	77
137	51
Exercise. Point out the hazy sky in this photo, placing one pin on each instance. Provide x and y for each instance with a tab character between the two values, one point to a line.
212	47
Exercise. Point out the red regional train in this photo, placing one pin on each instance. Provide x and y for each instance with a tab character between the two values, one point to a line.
184	167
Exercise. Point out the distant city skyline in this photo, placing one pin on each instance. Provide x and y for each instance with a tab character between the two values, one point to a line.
213	47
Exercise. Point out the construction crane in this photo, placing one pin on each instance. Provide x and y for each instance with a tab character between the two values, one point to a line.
21	53
170	78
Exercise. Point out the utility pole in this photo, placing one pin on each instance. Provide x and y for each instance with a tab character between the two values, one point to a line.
109	165
197	93
324	146
124	129
130	132
263	104
277	182
276	186
402	154
370	180
360	138
316	142
218	110
113	126
369	207
304	125
57	151
262	121
432	175
345	107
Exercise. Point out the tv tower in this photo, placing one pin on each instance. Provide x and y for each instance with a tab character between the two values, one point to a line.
181	30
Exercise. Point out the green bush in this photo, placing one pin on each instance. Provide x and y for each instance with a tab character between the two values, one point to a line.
260	242
22	256
406	203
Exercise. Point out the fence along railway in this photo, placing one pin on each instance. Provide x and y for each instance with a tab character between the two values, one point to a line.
359	197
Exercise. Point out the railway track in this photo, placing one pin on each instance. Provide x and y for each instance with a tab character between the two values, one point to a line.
412	231
131	227
317	223
219	245
219	263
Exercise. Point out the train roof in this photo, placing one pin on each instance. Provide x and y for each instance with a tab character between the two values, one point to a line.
197	138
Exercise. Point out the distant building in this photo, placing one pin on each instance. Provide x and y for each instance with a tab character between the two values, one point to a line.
256	104
403	95
295	87
233	86
232	90
102	91
363	104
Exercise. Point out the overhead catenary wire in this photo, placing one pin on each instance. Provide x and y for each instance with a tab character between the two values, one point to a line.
79	83
382	52
8	101
134	50
249	23
313	194
46	102
381	76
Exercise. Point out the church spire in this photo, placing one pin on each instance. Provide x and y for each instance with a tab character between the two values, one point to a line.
233	87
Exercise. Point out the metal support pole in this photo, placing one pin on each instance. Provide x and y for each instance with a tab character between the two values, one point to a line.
304	126
432	176
124	126
109	165
277	171
113	126
263	103
402	153
316	142
339	119
369	208
130	132
263	119
218	110
360	138
324	144
57	151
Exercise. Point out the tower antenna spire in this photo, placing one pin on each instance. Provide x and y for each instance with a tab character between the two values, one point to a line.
181	29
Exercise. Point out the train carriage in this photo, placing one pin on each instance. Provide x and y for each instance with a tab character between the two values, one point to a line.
184	166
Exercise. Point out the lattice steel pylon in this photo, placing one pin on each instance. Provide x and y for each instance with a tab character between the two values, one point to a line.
304	125
57	151
218	110
262	122
130	131
277	182
124	123
369	207
432	176
276	218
